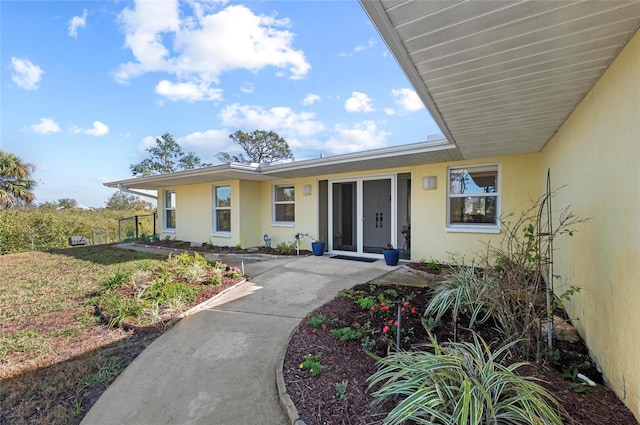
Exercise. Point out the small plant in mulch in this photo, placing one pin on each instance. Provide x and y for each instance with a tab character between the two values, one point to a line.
311	362
148	299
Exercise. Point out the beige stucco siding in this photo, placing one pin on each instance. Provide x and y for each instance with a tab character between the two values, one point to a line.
519	185
306	213
596	153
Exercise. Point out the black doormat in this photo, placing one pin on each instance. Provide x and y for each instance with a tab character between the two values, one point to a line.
347	257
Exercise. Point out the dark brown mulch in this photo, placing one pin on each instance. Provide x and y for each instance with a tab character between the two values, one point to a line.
346	363
215	249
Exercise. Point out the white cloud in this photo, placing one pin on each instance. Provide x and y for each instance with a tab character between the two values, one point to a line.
247	88
77	22
98	130
25	73
199	48
310	99
281	119
207	144
358	102
47	125
188	91
143	27
359	137
389	111
146	143
359	48
407	99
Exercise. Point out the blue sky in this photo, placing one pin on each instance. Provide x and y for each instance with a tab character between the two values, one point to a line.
87	86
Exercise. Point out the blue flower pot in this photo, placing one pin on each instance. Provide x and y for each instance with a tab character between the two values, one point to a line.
318	248
391	256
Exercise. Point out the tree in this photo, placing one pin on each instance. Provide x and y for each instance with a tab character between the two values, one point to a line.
66	203
260	146
15	181
166	157
122	201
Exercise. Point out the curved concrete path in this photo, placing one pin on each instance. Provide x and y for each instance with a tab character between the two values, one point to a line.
218	366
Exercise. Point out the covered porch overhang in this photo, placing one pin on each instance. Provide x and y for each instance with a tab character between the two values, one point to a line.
501	77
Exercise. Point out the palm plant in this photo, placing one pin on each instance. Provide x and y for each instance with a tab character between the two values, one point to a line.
461	383
15	181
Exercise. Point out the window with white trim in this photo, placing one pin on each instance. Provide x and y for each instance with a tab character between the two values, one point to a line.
222	209
473	196
170	209
284	203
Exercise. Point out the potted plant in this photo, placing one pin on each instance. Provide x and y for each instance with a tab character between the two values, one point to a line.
391	255
318	248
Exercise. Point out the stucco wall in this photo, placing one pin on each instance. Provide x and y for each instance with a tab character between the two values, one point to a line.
596	154
306	213
430	239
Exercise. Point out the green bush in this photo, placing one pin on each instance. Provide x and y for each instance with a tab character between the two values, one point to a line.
162	293
462	292
39	229
461	383
346	334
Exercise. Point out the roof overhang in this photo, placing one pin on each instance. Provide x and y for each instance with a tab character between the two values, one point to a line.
500	77
378	159
222	172
432	151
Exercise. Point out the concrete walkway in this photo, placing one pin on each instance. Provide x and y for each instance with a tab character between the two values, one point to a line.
218	366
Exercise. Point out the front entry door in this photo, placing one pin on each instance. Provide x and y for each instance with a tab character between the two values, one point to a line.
362	215
376	213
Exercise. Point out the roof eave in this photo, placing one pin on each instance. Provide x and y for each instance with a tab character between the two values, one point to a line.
380	19
199	175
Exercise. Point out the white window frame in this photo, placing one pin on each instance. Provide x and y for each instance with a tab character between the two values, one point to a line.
166	209
216	208
274	203
475	227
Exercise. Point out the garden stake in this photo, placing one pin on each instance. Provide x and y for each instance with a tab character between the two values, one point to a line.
242	264
398	328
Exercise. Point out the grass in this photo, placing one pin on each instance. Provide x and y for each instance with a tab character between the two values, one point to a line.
56	357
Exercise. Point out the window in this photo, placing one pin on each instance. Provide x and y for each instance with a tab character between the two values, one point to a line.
222	209
284	203
170	209
474	198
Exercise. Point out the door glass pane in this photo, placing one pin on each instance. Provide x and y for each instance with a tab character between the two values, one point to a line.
344	216
376	211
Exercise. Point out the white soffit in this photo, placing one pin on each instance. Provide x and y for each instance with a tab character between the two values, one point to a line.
501	76
194	176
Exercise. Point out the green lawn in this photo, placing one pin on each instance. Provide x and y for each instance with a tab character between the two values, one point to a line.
56	356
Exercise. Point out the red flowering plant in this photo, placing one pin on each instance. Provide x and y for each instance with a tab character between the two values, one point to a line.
389	246
387	311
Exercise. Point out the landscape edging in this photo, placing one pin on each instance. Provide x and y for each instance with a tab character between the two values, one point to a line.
286	403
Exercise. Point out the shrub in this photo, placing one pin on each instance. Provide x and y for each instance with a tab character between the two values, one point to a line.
461	383
462	292
161	292
347	334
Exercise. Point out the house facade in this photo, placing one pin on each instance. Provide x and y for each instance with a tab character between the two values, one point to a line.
518	89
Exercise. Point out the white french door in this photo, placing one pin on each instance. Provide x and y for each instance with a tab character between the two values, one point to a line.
362	214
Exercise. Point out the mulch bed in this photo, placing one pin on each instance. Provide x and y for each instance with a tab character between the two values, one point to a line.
346	363
224	250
